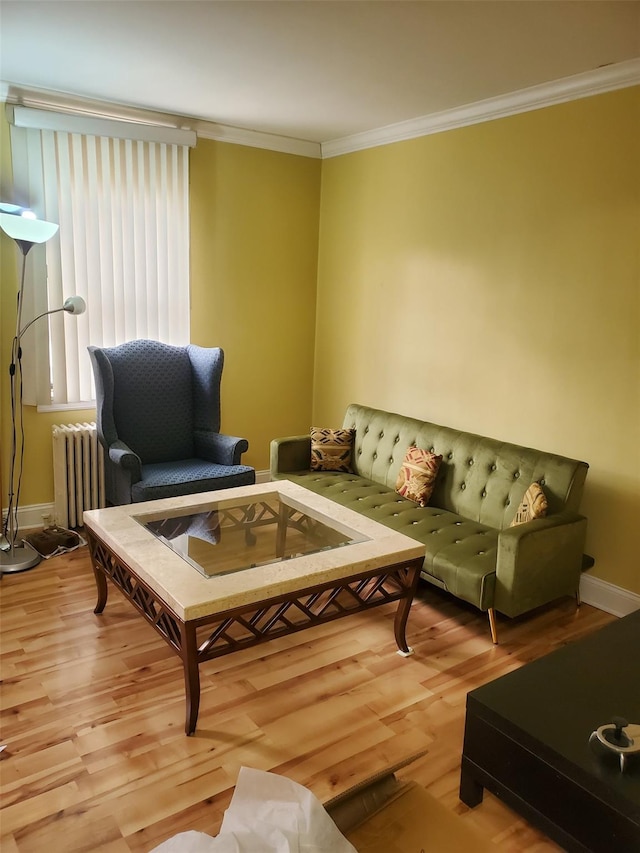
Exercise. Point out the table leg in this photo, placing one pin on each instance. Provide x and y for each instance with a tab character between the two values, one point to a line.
402	613
191	676
101	584
471	791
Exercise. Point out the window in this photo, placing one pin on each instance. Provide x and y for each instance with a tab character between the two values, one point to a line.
123	243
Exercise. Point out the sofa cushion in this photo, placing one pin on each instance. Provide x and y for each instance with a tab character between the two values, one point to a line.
331	449
461	554
417	475
533	505
188	477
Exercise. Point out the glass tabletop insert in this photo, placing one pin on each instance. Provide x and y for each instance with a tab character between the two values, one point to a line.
221	538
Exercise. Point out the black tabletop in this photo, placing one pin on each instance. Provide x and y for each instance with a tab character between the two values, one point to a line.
552	705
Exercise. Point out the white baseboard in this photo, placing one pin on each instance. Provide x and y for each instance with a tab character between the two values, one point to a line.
608	597
31	516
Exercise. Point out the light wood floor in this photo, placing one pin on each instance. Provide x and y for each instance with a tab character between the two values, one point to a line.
93	712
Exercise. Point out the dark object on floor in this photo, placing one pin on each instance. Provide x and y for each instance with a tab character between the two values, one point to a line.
527	741
54	540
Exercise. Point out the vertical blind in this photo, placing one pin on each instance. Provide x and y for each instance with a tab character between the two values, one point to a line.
123	245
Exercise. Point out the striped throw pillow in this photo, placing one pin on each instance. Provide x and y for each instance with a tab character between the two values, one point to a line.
417	475
331	449
533	505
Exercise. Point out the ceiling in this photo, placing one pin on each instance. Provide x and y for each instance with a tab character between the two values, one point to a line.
316	70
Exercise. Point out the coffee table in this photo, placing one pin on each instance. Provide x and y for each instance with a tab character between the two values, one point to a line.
217	572
527	741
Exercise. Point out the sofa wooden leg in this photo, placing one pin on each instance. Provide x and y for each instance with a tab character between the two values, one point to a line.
492	625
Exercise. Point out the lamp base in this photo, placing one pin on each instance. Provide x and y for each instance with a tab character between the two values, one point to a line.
19	559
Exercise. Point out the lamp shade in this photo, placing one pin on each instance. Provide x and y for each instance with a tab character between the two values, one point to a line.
74	305
26	229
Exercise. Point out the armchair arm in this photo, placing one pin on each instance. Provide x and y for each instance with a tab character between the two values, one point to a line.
122	456
290	454
219	448
539	561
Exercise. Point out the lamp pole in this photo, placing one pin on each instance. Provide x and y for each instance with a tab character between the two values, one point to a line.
18	557
26	230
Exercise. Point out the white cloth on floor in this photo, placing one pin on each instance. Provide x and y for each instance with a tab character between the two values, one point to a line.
267	814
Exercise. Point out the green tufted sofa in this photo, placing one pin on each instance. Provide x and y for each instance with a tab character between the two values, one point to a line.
472	551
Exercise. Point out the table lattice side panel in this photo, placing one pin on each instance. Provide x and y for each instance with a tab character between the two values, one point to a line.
144	599
268	620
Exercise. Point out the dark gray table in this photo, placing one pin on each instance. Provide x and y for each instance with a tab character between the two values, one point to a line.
527	741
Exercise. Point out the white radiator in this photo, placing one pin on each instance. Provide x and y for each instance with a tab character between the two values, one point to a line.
78	472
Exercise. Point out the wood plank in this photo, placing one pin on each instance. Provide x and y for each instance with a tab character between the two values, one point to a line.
92	711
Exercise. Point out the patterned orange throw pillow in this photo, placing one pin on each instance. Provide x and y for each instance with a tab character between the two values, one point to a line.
417	475
533	505
331	449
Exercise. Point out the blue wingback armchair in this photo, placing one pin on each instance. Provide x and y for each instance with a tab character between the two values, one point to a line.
158	419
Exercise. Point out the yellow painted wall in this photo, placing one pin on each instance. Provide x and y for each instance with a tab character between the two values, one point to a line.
254	250
488	278
254	241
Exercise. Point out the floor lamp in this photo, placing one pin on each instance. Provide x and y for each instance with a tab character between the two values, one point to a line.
23	227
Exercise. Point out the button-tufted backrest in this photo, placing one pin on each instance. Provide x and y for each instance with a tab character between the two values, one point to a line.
480	478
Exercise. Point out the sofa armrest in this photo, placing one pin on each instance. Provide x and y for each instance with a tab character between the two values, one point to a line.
122	456
219	448
539	561
290	454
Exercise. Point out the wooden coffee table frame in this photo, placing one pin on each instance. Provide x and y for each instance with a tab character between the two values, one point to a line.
205	638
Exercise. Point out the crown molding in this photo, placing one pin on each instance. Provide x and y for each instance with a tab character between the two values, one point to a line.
256	139
606	79
618	76
91	109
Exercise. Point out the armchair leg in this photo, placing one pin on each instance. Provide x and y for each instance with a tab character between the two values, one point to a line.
578	599
492	625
